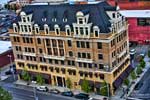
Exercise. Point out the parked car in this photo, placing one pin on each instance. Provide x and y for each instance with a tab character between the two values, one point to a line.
132	51
33	82
54	91
67	93
8	72
82	96
42	88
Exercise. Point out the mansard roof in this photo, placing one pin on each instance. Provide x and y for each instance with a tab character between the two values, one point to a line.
97	14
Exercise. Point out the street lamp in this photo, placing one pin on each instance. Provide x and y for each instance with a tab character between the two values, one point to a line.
11	67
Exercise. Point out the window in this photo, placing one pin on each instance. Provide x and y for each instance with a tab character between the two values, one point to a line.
86	31
143	21
82	44
62	62
46	31
25	28
37	30
101	76
56	62
40	50
68	32
79	55
29	28
99	45
78	44
101	66
57	31
70	53
88	56
49	51
61	52
80	20
113	15
54	43
28	18
23	19
100	56
69	43
96	33
76	30
87	45
39	40
81	31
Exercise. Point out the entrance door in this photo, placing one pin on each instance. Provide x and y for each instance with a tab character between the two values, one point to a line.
59	81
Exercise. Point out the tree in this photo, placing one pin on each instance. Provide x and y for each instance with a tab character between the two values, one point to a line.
149	53
104	89
126	81
40	79
26	75
138	70
142	63
85	86
5	95
69	83
133	75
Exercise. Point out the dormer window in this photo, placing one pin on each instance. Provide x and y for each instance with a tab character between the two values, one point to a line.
54	16
36	29
64	19
113	15
46	29
68	30
15	28
24	19
29	28
57	30
80	20
96	31
28	19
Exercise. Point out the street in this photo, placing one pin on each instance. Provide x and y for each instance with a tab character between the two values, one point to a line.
27	93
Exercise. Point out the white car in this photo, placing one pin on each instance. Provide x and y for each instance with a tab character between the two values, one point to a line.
34	82
42	88
132	51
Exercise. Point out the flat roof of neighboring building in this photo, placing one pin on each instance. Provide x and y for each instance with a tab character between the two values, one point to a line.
136	13
5	46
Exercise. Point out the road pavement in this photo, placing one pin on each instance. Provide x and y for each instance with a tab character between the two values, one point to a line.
27	93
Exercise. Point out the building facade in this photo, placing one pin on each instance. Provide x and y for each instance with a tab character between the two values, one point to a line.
72	41
139	25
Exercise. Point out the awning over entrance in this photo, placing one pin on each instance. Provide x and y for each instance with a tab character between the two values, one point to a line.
129	69
91	83
124	75
118	82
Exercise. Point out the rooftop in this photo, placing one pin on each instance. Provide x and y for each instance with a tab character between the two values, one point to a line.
136	13
97	14
5	46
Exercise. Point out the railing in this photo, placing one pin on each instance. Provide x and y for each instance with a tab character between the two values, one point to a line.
29	54
84	60
54	57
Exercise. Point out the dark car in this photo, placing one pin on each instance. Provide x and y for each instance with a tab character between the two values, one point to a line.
67	93
82	96
8	72
54	91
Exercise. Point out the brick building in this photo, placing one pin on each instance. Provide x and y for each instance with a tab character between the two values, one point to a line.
73	41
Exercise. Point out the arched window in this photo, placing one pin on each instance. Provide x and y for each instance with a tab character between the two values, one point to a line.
15	28
36	27
96	31
57	29
68	30
46	29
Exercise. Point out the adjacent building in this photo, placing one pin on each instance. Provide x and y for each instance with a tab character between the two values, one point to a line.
74	41
139	25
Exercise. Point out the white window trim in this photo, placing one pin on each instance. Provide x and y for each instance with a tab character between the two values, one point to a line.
46	27
95	28
67	27
15	27
36	27
57	27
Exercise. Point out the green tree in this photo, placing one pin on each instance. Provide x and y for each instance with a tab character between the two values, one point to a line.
139	70
5	95
104	89
126	81
133	75
40	79
142	63
148	53
26	75
85	86
69	83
